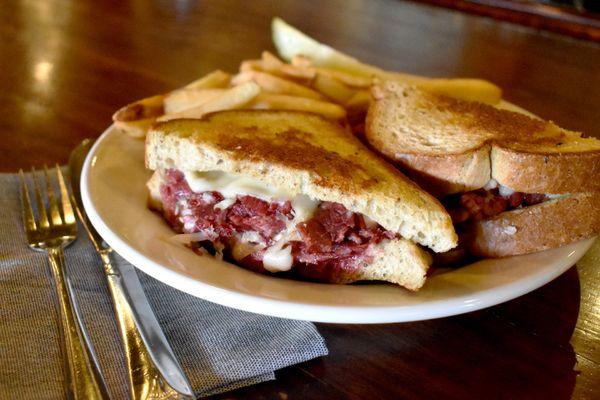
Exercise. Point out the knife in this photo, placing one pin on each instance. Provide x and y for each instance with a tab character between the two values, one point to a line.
153	369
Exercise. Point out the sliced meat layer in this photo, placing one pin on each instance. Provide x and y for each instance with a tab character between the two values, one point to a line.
327	244
480	204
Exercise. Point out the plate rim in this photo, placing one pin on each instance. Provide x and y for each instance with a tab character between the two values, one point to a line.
311	312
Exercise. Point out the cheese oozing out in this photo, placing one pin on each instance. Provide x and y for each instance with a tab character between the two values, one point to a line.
278	256
502	190
231	185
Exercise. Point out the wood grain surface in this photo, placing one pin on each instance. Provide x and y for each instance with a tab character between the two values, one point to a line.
66	66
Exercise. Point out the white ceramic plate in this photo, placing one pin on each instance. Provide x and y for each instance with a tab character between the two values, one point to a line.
114	196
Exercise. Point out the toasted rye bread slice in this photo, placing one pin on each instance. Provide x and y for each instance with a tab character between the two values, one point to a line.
398	261
543	226
452	144
302	153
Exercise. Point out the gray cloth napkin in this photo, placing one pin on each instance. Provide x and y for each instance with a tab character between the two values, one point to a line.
219	348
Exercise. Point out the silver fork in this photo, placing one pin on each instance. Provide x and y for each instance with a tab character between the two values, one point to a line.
54	229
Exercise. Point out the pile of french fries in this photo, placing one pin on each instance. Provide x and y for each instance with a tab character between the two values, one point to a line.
316	78
266	83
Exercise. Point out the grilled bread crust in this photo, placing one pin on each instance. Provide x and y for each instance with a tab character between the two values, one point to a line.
397	261
456	143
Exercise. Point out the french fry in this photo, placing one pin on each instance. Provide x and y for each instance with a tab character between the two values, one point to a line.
184	99
465	89
285	102
232	98
136	118
355	81
136	129
274	66
293	44
270	62
358	103
251	65
332	88
215	79
273	84
296	72
145	108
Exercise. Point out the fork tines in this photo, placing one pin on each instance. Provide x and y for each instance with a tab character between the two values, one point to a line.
55	215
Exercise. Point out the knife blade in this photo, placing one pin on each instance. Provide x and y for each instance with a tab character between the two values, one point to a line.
153	369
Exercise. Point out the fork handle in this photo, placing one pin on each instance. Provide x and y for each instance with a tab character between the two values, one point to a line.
84	380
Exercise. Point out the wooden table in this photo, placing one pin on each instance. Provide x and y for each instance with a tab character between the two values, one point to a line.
66	66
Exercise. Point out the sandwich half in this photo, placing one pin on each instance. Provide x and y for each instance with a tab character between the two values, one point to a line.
293	193
513	184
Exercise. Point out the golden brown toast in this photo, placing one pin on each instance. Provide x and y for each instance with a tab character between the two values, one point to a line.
449	145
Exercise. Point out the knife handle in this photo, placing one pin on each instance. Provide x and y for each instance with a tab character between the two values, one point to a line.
146	381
